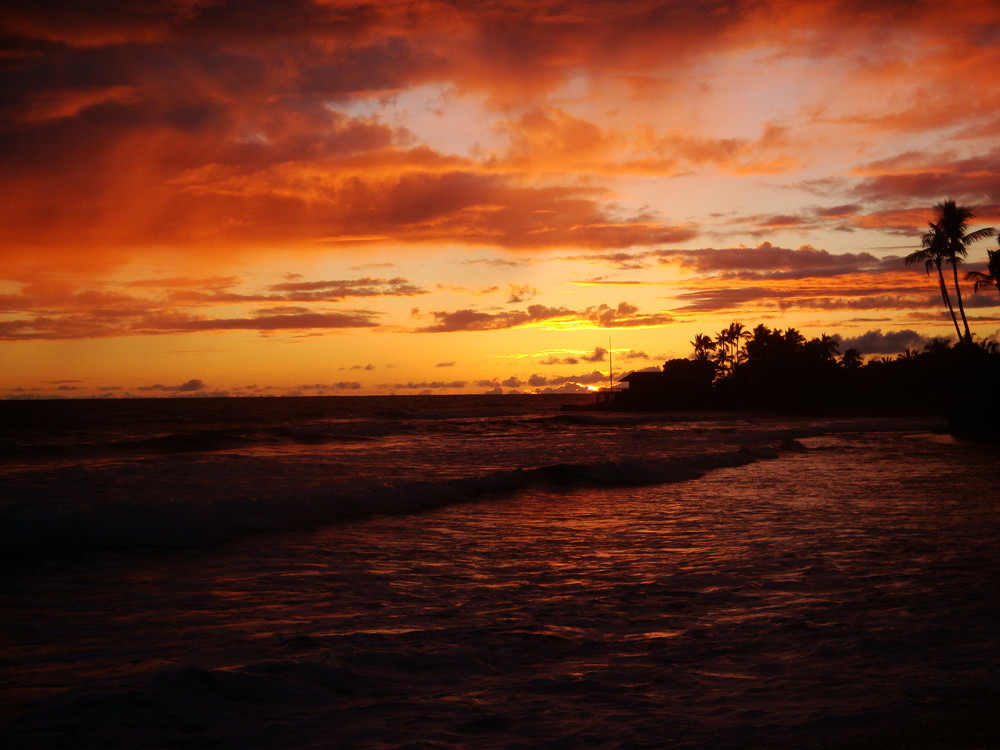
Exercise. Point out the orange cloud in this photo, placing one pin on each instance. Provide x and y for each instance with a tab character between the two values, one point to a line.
53	309
767	260
100	324
195	132
624	315
928	177
552	140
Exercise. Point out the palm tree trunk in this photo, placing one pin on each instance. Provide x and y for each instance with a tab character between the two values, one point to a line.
961	307
947	301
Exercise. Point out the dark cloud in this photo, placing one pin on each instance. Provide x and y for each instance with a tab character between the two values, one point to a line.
74	327
870	302
624	315
268	311
500	262
565	388
620	260
598	355
57	310
766	261
363	287
473	320
927	177
345	385
876	342
424	385
191	386
520	293
595	376
839	212
275	322
815	297
214	282
307	291
983	299
544	384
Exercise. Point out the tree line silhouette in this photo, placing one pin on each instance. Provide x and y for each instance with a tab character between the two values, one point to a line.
781	370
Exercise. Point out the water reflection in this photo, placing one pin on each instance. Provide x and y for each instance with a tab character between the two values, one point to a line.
755	607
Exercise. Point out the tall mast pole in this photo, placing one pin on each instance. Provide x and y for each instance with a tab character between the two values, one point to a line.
611	367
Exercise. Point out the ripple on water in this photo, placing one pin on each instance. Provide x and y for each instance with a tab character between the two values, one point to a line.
844	595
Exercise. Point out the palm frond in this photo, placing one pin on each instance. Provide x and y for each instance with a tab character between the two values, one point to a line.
979	234
980	280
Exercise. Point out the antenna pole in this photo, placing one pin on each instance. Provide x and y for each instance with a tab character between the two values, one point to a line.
611	367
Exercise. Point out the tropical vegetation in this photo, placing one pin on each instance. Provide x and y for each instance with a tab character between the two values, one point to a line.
781	370
775	369
989	279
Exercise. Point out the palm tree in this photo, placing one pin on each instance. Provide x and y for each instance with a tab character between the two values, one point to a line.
737	334
828	347
702	345
722	356
982	280
937	346
794	339
989	347
932	254
953	221
851	360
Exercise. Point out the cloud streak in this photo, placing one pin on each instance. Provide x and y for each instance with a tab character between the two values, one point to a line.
191	386
624	315
58	310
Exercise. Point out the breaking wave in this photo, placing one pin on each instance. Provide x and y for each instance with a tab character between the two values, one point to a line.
203	517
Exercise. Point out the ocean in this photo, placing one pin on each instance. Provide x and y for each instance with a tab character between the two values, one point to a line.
492	572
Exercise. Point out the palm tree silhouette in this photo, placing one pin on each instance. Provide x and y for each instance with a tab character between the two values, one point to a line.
737	335
932	254
728	345
827	347
702	345
851	360
953	221
722	356
982	280
794	339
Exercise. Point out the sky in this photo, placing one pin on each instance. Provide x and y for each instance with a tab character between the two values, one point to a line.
324	197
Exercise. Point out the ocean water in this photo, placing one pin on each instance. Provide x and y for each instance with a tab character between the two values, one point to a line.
491	572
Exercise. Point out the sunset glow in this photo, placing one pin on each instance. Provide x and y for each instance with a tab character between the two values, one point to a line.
322	197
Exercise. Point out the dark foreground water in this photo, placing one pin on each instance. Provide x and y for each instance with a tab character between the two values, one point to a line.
574	581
